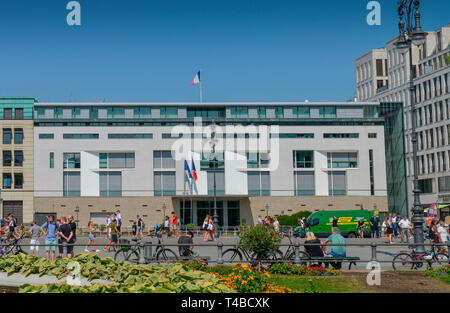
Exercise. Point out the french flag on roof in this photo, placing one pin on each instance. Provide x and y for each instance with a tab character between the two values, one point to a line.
196	79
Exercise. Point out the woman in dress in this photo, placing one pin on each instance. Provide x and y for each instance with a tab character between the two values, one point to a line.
211	229
92	239
205	227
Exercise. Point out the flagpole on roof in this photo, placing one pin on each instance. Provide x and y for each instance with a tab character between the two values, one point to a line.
200	78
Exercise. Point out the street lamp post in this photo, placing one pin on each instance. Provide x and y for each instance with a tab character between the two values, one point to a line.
77	209
164	211
410	34
267	209
214	164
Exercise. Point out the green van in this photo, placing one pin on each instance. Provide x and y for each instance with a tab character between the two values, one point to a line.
320	222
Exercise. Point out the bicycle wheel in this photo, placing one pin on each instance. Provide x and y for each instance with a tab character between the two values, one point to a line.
403	262
121	255
132	257
232	256
165	255
304	257
439	260
19	250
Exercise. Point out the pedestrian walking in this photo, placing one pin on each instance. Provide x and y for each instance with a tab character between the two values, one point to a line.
361	226
389	230
276	224
443	235
50	229
404	225
119	220
174	224
375	226
91	237
34	242
211	229
205	227
140	225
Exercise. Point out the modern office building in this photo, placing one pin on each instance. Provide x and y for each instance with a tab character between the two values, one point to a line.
95	158
431	63
17	146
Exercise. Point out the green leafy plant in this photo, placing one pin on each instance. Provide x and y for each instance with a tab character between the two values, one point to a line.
259	240
291	269
291	220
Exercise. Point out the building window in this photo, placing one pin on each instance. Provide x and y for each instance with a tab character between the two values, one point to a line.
371	173
239	112
261	112
71	184
163	159
339	136
130	136
164	183
52	159
205	163
279	112
444	184
142	112
292	136
7	114
342	159
18	136
258	183
116	160
337	183
18	158
80	136
234	213
18	114
372	135
301	112
327	112
257	160
220	182
303	159
379	65
18	181
110	184
169	112
370	111
426	185
7	180
7	136
7	158
304	184
72	160
46	136
205	112
116	112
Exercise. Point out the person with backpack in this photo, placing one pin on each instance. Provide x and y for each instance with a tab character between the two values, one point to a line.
50	229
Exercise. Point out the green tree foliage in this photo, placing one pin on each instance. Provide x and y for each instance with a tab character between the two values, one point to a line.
291	220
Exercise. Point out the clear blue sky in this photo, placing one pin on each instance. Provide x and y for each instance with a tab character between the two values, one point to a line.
150	50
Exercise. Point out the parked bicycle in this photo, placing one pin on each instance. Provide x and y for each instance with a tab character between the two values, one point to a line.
132	253
13	247
405	261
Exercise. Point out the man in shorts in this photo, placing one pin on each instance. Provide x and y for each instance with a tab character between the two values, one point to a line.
50	229
34	242
66	237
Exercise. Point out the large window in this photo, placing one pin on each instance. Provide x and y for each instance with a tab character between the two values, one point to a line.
164	183
116	160
116	112
18	136
142	112
340	136
303	159
169	112
71	184
18	181
304	184
80	136
18	114
444	183
7	114
301	112
342	159
18	158
327	112
220	182
205	163
7	136
258	183
205	112
7	158
110	184
72	160
239	112
163	159
130	136
426	185
337	183
7	180
234	213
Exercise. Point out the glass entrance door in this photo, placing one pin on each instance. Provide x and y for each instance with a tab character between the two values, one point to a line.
205	208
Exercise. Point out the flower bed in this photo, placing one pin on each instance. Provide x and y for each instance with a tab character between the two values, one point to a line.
291	269
442	271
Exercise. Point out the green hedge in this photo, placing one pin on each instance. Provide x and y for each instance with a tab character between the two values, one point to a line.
291	220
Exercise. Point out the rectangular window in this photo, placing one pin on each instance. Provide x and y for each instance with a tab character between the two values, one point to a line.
301	112
7	180
46	136
292	136
379	65
371	173
163	159
164	183
239	112
7	158
110	184
220	182
130	136
279	112
337	184
142	112
372	135
80	136
116	112
327	112
338	136
261	112
120	160
103	160
52	159
93	113
234	213
58	113
71	160
303	159
426	185
18	136
258	183
342	159
205	163
18	158
370	111
169	112
76	113
7	114
7	136
18	181
304	184
71	184
444	184
18	114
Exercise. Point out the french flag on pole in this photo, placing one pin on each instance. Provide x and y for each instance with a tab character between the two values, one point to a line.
187	170
194	171
196	79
